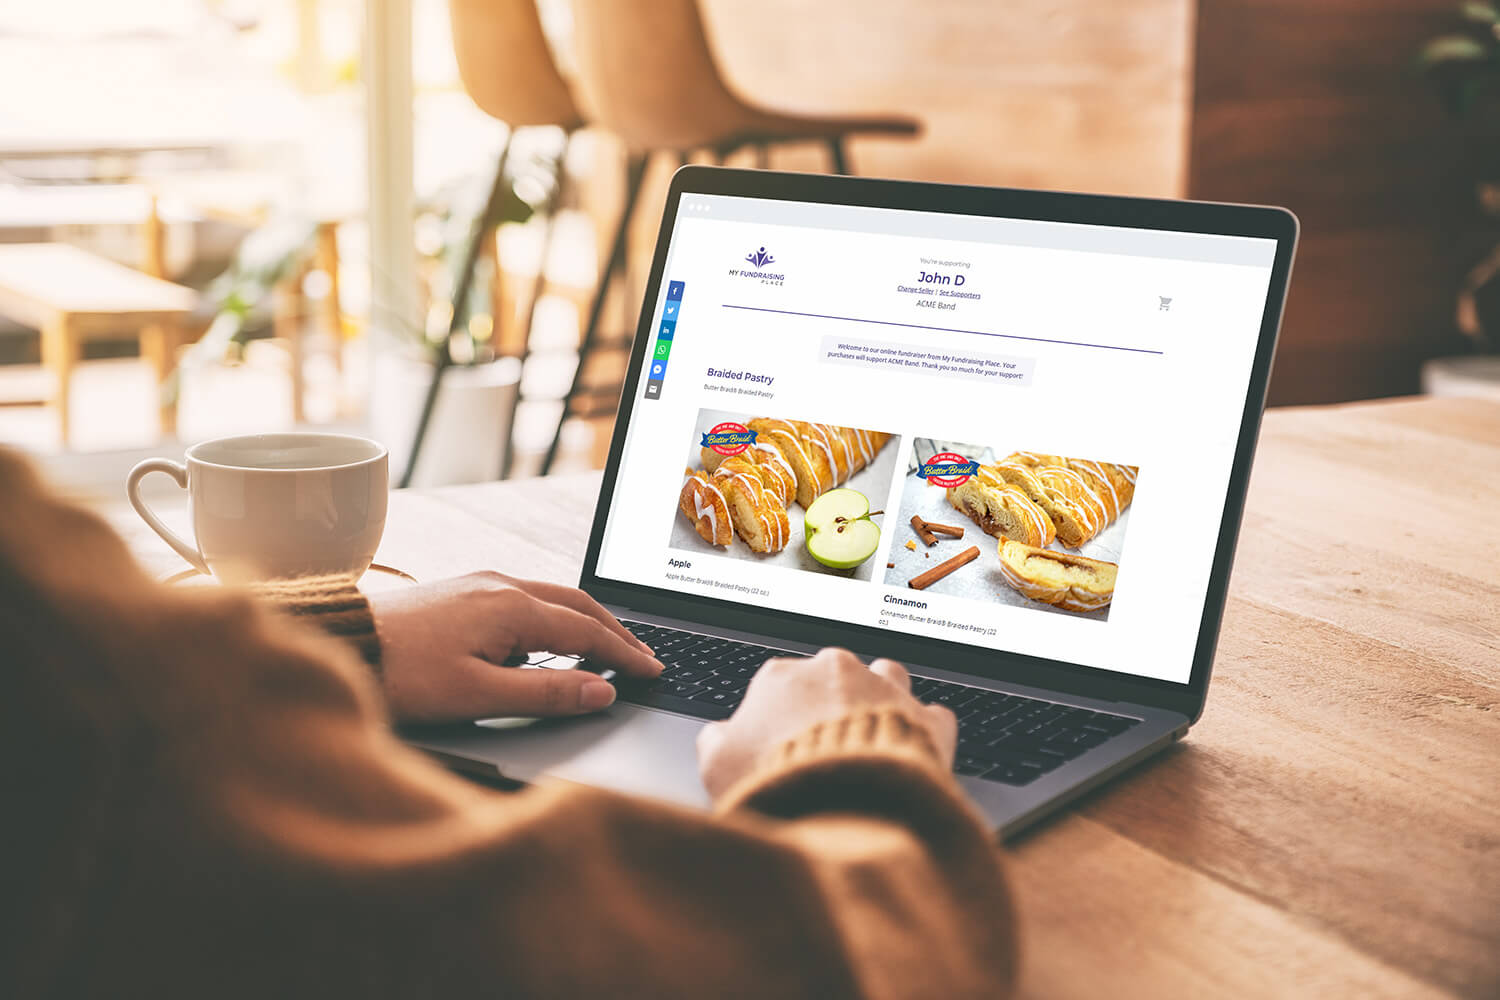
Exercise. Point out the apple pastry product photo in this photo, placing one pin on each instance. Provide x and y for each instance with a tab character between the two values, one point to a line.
784	497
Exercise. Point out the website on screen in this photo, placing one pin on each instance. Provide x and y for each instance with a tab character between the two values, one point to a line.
1016	435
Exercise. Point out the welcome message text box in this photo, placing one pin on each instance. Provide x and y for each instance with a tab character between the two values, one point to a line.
990	368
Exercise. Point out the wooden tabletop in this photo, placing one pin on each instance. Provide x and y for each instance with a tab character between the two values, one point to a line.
41	280
1331	827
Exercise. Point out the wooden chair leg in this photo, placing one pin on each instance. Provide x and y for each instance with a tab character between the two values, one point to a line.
837	154
287	324
60	350
327	260
158	348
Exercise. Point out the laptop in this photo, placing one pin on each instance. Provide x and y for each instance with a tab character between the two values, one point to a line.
1001	436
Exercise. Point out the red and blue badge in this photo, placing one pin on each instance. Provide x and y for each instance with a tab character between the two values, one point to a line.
728	438
947	469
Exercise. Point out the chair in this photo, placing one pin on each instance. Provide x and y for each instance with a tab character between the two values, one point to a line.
507	69
646	71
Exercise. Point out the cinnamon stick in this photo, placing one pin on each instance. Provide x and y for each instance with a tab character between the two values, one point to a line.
920	527
924	580
951	530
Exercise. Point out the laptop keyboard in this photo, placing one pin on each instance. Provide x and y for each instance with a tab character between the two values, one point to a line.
1001	737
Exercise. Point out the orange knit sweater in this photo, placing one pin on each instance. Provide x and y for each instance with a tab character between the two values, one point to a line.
202	798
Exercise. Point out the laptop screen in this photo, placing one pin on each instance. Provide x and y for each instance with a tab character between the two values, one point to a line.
1011	434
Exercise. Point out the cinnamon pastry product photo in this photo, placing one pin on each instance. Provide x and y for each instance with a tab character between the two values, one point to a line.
751	481
1059	522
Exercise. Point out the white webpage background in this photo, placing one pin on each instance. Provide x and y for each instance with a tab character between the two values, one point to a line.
1176	414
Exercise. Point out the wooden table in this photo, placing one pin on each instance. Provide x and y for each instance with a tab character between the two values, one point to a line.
72	296
1331	828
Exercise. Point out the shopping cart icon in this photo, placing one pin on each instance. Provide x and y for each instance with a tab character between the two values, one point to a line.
1166	304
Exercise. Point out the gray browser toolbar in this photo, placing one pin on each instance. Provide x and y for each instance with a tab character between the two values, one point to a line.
1200	247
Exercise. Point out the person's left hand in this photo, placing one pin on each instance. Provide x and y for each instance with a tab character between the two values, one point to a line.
441	646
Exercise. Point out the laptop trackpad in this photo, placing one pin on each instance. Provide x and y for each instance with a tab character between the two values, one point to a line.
625	748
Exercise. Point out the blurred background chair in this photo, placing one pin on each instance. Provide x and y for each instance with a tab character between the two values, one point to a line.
507	69
646	71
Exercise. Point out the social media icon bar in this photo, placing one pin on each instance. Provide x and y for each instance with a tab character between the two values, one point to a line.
665	332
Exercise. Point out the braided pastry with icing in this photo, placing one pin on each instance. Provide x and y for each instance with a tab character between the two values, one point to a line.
757	511
705	506
821	456
1061	579
1003	510
1081	497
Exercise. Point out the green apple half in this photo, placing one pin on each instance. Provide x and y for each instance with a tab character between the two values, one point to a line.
839	531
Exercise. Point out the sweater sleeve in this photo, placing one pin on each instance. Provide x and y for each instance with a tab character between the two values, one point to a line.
209	802
331	604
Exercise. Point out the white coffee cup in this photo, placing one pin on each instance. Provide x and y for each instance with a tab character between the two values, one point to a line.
273	506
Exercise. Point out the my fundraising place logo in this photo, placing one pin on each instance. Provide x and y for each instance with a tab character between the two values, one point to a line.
947	469
728	438
758	260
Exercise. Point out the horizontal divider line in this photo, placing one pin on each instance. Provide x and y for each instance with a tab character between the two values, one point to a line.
944	329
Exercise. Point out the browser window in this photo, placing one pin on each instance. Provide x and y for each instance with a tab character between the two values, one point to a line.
1012	434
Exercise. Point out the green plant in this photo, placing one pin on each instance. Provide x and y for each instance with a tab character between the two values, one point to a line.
242	296
1464	65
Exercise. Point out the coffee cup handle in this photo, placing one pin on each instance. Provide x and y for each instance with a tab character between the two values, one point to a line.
133	492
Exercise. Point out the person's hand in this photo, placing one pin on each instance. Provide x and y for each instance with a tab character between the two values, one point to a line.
786	697
441	646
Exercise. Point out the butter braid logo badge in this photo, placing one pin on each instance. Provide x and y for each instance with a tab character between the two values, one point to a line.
947	469
760	258
728	438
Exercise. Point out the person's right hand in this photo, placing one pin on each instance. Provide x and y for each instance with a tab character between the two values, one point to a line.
786	697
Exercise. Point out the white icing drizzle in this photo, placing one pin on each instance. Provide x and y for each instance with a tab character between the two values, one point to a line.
1096	522
842	437
1035	591
1115	497
796	442
1032	513
1125	471
833	470
711	512
866	445
779	462
1082	600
